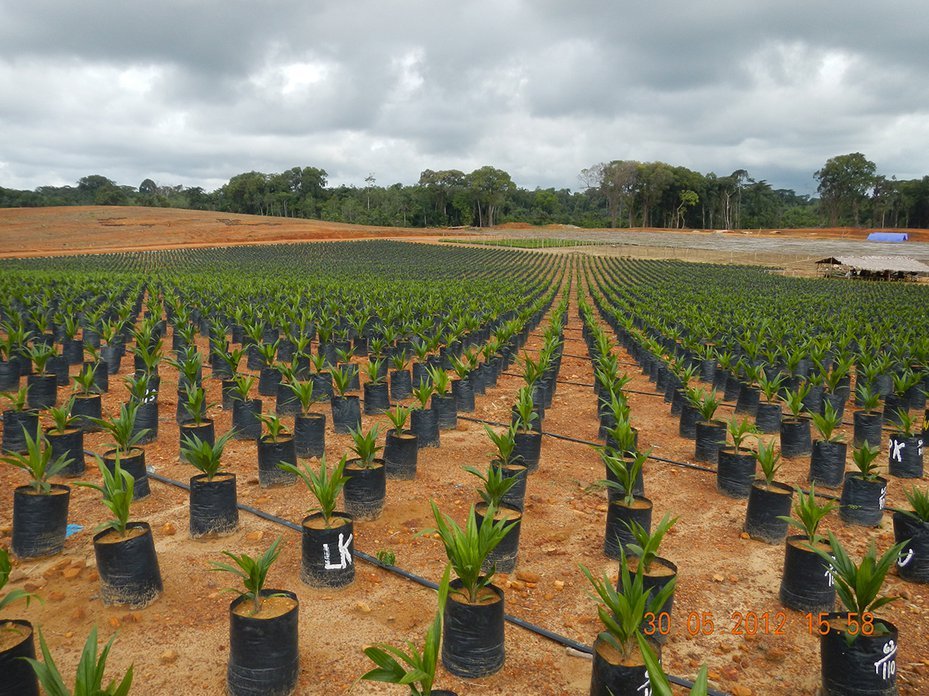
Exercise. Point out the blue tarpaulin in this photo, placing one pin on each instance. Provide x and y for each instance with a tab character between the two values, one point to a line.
888	237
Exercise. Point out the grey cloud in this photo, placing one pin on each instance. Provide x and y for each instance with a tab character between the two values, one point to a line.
198	92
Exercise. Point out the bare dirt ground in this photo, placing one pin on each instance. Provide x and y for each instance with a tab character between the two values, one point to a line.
179	644
97	229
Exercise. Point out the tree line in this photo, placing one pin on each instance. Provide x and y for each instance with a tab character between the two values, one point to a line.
620	193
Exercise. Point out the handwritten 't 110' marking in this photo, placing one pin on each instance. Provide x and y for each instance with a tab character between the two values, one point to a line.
750	623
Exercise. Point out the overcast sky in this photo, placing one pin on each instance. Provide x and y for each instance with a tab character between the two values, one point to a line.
193	92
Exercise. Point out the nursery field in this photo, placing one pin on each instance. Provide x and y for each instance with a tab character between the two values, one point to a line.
618	362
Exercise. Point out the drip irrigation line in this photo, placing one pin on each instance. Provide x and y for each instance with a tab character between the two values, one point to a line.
674	462
564	355
585	384
722	404
579	441
396	570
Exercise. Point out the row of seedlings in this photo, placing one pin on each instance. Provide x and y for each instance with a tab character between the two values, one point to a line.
813	567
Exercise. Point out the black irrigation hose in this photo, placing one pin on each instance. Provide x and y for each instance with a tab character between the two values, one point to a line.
576	440
722	404
396	570
564	355
683	465
584	384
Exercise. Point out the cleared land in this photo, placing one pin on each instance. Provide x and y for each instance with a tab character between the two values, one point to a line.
94	229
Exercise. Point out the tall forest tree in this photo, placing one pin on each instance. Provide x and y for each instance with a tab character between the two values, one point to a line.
617	182
488	188
441	189
844	183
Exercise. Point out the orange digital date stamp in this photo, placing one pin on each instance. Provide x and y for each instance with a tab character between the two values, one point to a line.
751	623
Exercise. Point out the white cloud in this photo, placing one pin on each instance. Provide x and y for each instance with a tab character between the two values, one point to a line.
196	93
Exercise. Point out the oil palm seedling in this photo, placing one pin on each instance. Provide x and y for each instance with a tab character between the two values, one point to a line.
443	403
424	422
836	382
376	390
795	427
494	488
622	439
710	434
275	446
472	647
194	421
65	438
124	550
857	646
346	409
213	497
366	484
269	376
806	583
827	462
864	492
185	334
246	412
528	435
87	399
126	438
148	354
263	628
749	394
286	402
18	420
345	365
868	420
401	384
505	458
413	668
189	365
690	412
322	375
40	509
769	501
911	527
12	343
618	668
400	446
328	535
627	506
72	346
113	347
42	385
768	415
19	643
462	388
253	572
899	399
325	487
309	427
97	368
735	471
658	681
226	362
657	572
905	447
144	396
90	672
